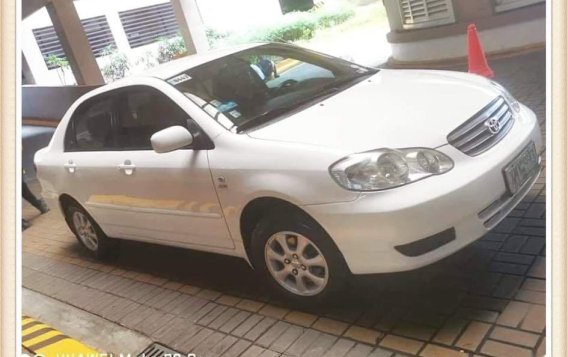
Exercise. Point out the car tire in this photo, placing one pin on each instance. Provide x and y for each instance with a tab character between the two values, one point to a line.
306	277
89	234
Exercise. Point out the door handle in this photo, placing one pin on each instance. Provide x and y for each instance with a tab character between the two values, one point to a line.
70	166
127	167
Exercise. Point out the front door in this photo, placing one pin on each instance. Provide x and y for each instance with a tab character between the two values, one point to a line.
169	198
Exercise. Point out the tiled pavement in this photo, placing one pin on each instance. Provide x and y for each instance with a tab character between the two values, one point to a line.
486	300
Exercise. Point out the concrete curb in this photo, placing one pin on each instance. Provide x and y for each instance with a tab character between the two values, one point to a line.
88	328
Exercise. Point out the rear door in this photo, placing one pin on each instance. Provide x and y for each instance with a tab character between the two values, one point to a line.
89	157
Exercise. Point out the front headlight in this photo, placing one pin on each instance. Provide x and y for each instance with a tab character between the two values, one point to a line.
513	103
387	168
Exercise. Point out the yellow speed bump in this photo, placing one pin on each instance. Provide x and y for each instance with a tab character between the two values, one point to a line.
46	341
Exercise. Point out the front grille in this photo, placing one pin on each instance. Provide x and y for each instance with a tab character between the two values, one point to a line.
475	135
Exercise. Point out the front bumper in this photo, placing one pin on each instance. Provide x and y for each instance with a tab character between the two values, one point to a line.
471	199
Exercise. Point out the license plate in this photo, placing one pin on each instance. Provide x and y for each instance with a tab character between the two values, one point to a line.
521	169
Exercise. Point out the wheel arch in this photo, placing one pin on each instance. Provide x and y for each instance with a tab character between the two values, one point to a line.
260	207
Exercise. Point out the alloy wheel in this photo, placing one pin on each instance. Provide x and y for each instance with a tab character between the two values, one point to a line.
85	231
296	263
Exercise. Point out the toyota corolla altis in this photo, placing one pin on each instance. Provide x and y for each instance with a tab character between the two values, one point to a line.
310	167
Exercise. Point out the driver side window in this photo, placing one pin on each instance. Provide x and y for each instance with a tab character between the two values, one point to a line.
142	112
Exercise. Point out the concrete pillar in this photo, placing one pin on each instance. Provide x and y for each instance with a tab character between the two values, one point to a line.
27	75
190	25
72	36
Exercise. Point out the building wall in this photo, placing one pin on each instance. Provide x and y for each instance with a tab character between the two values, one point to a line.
218	14
503	26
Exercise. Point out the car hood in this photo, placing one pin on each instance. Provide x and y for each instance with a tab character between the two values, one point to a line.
393	108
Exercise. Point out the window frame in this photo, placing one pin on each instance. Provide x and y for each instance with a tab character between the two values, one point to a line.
84	106
201	141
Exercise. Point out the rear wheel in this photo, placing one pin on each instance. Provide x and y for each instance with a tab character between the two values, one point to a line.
89	234
297	257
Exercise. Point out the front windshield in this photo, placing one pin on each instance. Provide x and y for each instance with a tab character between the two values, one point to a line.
252	87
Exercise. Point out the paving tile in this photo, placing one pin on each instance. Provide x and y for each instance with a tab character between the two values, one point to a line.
498	349
247	325
420	332
136	316
188	344
212	315
473	335
514	258
285	340
533	245
534	297
172	285
509	268
320	346
155	321
508	286
330	326
273	311
189	289
439	351
513	314
450	331
208	343
223	318
163	299
541	350
477	314
272	334
250	305
535	284
379	352
260	328
253	351
196	313
119	309
302	343
514	243
535	320
237	349
222	346
403	344
234	321
538	269
516	337
175	330
362	334
340	348
359	350
228	300
301	318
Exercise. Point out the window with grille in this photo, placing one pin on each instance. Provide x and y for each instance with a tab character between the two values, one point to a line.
506	5
148	24
97	31
426	13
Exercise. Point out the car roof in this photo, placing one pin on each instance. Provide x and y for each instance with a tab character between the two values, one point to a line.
170	69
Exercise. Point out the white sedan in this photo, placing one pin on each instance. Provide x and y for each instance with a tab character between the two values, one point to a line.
310	167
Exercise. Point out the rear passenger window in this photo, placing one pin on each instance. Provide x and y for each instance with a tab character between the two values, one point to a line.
90	127
144	111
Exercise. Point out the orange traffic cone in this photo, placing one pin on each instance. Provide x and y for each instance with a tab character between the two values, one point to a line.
476	56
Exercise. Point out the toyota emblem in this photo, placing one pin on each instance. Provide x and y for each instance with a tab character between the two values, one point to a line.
493	125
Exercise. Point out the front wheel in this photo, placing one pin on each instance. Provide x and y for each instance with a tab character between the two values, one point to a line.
298	258
89	234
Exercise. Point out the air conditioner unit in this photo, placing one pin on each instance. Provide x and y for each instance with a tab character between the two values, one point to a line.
426	13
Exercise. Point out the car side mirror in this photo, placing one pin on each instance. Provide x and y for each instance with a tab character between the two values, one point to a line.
171	139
